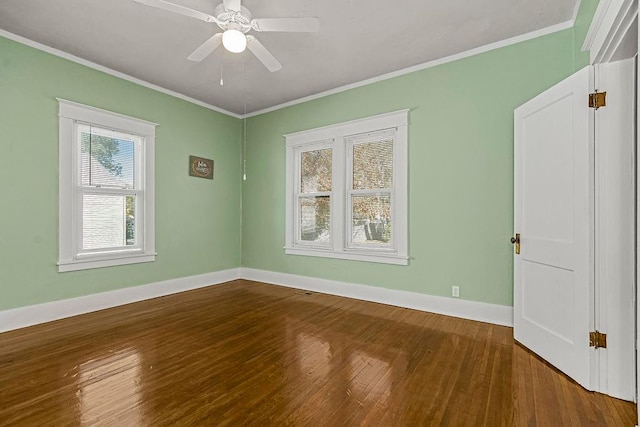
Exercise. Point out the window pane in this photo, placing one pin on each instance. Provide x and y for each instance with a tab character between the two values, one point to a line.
371	220
315	176
373	165
314	219
108	221
106	161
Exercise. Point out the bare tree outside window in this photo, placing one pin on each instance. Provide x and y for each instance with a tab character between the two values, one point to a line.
315	200
371	192
316	171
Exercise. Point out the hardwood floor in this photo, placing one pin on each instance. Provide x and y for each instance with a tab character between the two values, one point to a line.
245	353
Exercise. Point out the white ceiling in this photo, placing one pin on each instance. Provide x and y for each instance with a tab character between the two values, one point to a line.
358	40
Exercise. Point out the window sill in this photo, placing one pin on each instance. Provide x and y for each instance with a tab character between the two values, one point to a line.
86	264
383	258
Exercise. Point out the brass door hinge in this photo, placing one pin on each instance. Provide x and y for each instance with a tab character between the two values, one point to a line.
597	339
597	99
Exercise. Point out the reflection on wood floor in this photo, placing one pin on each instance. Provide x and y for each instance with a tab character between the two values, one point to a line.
249	353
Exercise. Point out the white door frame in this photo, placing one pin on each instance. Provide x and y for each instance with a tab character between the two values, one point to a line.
613	370
612	36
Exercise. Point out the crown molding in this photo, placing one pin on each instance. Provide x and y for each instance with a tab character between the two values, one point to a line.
430	64
107	70
576	10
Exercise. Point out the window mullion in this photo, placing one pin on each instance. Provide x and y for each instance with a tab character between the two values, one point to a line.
337	204
348	186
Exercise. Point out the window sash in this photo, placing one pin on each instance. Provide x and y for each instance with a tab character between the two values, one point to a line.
138	154
299	231
351	141
299	195
383	247
139	195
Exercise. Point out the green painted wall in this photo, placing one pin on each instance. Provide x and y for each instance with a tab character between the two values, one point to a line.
460	168
197	220
580	29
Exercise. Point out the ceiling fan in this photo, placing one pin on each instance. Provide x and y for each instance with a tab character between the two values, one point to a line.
235	20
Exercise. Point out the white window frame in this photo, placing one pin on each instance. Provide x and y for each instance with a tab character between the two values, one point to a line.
70	257
337	138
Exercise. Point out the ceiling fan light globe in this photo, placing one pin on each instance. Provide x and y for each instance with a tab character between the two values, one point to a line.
234	41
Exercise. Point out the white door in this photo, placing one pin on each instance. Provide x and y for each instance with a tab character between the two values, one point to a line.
553	280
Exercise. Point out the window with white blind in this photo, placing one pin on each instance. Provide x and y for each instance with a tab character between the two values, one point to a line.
106	188
347	190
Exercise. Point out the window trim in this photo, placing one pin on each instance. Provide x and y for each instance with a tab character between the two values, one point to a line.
339	134
69	259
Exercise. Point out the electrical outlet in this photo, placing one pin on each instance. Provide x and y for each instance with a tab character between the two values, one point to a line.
455	291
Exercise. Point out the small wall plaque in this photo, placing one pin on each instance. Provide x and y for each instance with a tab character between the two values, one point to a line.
202	168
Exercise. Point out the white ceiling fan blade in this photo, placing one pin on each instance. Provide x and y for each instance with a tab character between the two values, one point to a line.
232	5
175	8
298	25
206	48
263	54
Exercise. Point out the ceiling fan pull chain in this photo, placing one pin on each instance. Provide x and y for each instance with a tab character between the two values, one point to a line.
244	120
221	60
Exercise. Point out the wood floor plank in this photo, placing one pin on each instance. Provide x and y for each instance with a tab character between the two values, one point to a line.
246	353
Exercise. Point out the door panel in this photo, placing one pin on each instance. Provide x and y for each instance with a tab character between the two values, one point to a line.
544	172
547	295
553	279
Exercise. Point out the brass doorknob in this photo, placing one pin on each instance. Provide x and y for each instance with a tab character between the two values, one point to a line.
516	241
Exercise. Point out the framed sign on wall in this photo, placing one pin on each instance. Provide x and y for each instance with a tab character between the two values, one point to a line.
200	167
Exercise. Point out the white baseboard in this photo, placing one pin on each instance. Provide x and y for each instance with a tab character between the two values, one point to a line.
482	312
41	313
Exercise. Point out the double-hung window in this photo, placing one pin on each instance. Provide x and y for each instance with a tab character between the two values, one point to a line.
106	188
347	190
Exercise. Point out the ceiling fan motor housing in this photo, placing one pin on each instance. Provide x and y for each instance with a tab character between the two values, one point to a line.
231	19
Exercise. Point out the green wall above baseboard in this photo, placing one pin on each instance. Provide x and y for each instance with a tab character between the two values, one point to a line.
460	170
460	173
197	221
